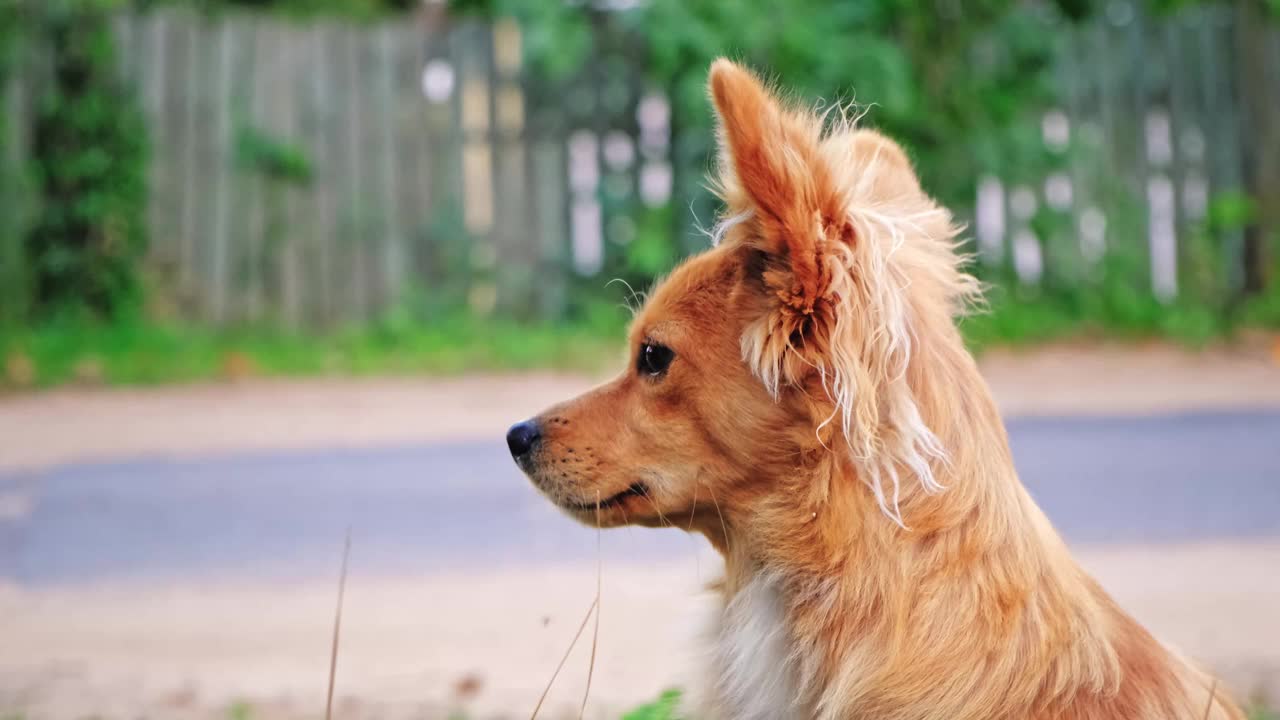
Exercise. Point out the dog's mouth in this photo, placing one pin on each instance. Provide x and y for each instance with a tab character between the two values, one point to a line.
637	489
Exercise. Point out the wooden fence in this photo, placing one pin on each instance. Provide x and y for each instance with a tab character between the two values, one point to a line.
1162	124
318	174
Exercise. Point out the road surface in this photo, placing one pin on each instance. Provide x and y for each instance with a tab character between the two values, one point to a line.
428	508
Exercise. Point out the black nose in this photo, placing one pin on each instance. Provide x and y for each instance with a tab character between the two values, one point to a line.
522	437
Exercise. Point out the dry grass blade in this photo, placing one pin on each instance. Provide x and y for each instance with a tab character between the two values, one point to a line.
563	660
337	627
595	633
1213	691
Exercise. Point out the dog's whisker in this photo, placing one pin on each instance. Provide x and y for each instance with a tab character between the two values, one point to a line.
723	527
693	511
661	518
634	300
626	519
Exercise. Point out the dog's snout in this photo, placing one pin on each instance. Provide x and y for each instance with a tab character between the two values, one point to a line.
522	437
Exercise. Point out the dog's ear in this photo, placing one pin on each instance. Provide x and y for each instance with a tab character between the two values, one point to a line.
771	166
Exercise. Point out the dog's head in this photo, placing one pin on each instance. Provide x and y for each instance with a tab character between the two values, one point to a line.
785	345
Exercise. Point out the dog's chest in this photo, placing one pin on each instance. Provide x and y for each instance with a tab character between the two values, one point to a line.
752	662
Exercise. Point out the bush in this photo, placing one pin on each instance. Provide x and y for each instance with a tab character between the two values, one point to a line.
89	145
12	285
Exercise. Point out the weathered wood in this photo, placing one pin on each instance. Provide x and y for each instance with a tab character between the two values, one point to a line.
318	123
202	177
256	88
388	106
297	235
347	53
549	199
221	160
155	67
186	161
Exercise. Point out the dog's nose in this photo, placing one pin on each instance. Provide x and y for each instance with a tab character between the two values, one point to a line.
522	437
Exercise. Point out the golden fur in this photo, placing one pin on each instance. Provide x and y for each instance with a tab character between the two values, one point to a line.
823	425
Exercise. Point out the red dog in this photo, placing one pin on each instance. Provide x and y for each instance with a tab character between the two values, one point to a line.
800	396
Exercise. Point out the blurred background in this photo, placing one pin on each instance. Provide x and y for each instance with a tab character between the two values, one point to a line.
275	269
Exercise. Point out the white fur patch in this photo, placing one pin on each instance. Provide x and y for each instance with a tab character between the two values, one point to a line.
723	227
753	672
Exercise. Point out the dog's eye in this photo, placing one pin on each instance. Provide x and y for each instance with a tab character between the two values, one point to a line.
654	359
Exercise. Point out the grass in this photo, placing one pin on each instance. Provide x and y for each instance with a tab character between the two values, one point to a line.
665	707
1019	315
142	352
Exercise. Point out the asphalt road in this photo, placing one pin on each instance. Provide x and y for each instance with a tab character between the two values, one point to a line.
420	509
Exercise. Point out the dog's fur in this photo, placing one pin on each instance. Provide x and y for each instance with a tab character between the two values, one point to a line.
823	425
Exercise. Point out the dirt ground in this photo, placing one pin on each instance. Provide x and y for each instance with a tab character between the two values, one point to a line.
424	647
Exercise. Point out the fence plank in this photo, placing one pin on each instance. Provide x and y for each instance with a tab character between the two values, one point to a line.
202	177
296	238
348	98
548	207
372	196
245	100
185	159
392	260
515	257
1226	163
222	160
325	148
155	69
408	144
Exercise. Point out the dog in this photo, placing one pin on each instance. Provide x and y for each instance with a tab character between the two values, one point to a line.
800	395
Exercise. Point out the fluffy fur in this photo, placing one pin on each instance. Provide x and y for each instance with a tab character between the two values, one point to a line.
823	425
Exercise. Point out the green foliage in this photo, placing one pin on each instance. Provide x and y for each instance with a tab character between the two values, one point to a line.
962	90
240	710
12	210
959	89
1231	211
89	146
1108	302
1021	315
1169	6
651	252
278	160
280	168
1261	711
1207	259
664	708
356	9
